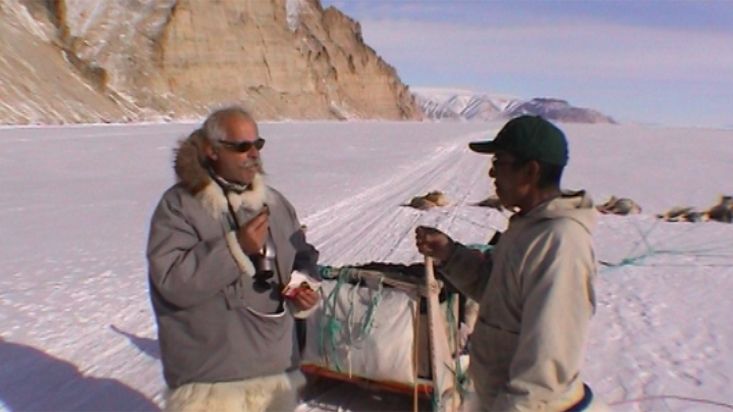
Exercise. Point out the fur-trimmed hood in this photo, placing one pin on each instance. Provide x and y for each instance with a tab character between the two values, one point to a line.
190	161
193	174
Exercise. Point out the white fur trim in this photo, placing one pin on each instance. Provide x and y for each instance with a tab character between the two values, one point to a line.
214	201
212	197
252	199
244	263
268	393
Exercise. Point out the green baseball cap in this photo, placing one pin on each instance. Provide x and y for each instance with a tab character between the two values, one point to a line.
530	138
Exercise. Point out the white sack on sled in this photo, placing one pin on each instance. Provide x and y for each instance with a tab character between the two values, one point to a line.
384	354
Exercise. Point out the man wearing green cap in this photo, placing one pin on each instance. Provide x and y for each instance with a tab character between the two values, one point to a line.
535	289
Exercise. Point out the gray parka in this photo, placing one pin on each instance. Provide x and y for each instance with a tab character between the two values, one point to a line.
213	325
536	299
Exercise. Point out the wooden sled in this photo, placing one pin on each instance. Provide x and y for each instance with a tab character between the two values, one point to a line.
434	345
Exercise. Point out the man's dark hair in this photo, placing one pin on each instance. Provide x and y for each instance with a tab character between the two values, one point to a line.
550	174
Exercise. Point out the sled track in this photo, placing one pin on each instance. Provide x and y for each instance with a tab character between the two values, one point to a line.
376	226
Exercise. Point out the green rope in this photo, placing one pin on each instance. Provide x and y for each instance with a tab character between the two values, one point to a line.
643	238
435	401
335	332
461	375
654	250
369	316
326	272
482	247
330	326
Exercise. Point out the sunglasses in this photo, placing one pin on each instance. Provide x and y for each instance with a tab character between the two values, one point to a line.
243	147
497	162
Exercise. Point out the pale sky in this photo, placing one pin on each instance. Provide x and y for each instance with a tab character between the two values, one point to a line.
666	62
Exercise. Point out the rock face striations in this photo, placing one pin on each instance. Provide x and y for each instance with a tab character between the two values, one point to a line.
146	59
38	81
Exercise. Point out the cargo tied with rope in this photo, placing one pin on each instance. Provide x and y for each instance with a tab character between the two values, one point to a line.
390	327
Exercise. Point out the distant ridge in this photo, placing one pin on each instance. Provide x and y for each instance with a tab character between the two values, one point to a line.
460	104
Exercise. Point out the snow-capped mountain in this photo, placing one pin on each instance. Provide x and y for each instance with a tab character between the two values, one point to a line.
461	104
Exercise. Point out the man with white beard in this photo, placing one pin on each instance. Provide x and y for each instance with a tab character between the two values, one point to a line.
535	289
222	250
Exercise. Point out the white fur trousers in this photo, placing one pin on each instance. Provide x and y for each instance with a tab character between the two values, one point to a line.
273	393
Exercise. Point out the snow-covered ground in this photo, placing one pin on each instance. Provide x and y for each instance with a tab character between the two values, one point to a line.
76	329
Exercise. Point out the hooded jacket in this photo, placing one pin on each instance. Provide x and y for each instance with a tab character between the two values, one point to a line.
535	291
214	323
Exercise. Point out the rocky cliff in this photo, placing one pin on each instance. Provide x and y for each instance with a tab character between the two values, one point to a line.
84	61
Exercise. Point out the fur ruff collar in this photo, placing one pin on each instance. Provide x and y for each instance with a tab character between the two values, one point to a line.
192	173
